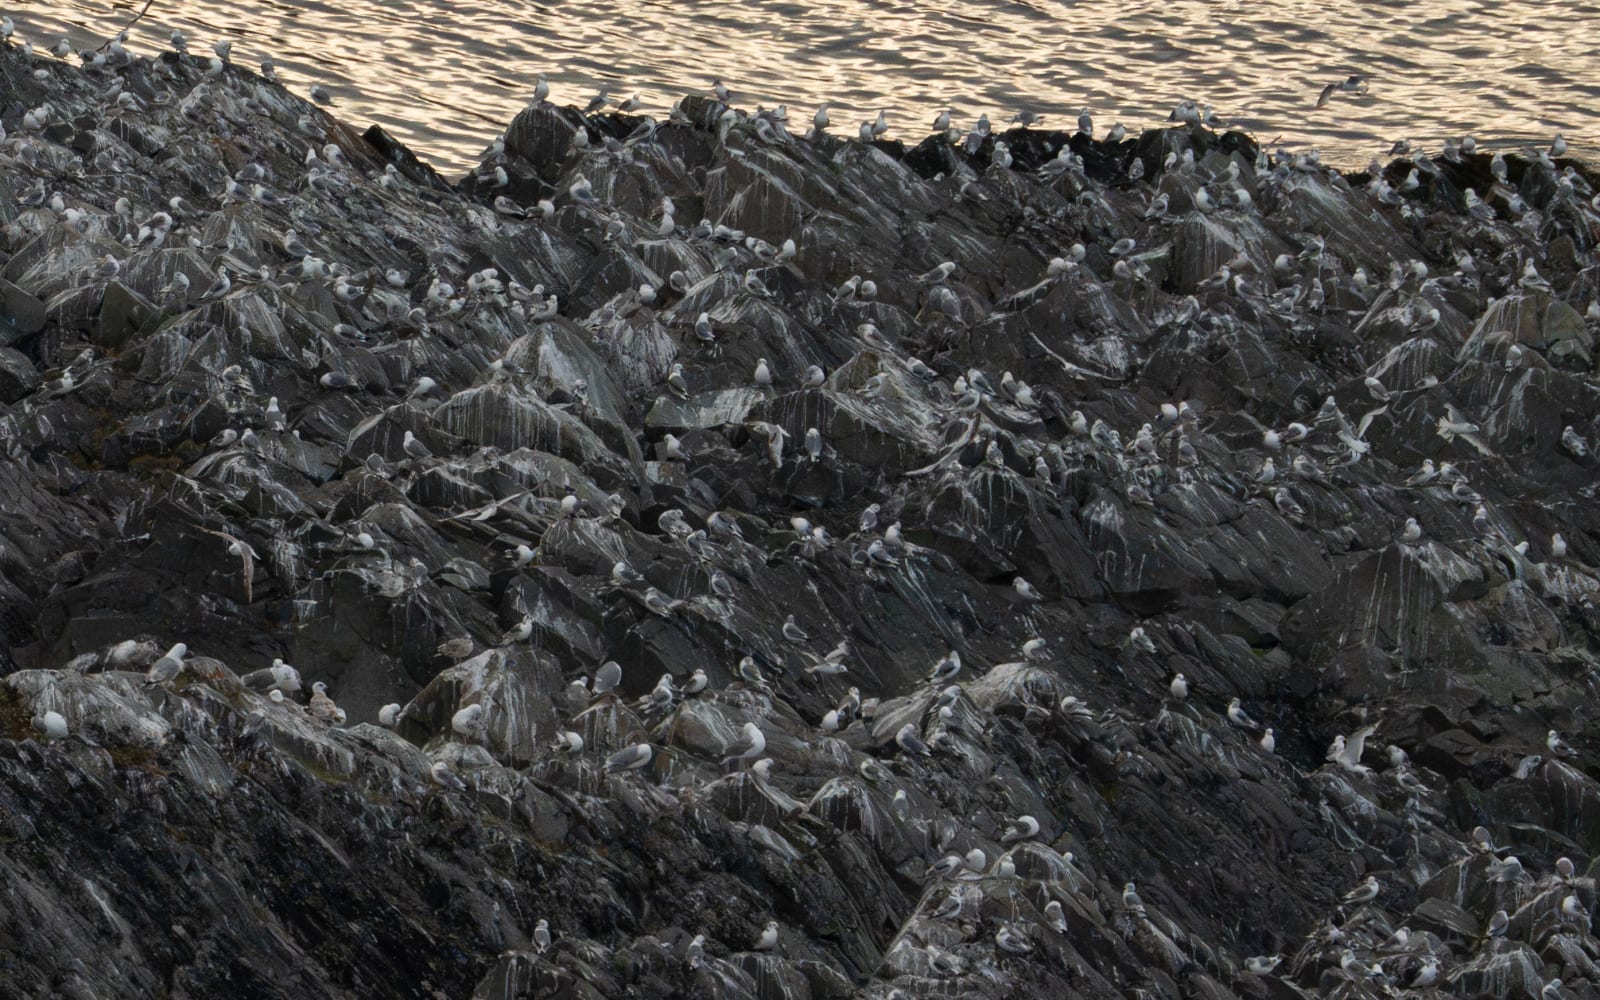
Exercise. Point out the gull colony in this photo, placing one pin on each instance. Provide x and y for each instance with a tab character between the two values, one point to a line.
571	489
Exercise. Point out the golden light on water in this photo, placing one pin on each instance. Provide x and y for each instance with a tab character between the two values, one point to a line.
445	77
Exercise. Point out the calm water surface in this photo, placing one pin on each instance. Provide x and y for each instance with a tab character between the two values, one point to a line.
447	76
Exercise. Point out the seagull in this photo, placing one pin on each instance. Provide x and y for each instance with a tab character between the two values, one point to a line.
1021	828
518	632
630	758
950	909
1262	965
1427	975
794	633
322	707
414	448
1139	637
1366	892
1482	839
468	721
446	778
1356	745
52	725
219	287
1131	901
908	740
1011	938
389	715
1356	84
1237	716
946	668
1571	907
1498	923
541	936
278	677
1179	688
1558	746
167	667
769	937
1057	919
752	745
607	678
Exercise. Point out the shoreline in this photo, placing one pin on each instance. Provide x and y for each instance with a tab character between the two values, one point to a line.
1346	146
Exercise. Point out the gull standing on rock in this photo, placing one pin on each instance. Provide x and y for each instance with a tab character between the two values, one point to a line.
468	722
630	758
769	937
1131	901
908	740
446	778
1022	828
518	632
322	707
1238	717
167	667
51	725
1366	892
793	632
752	744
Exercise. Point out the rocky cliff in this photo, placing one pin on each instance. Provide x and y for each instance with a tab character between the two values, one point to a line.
739	563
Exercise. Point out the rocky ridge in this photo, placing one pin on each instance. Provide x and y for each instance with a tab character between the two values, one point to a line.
939	497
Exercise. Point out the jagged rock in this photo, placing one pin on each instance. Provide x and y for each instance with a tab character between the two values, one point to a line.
424	448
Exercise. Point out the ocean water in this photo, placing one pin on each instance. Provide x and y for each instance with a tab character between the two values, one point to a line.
446	76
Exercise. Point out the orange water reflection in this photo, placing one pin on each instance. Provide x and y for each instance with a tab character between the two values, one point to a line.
446	76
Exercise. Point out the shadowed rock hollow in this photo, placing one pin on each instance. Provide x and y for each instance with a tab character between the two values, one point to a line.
780	425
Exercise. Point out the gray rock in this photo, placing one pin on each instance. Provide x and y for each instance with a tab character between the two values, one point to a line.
1055	468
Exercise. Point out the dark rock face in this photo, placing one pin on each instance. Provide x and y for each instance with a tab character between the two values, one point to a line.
451	448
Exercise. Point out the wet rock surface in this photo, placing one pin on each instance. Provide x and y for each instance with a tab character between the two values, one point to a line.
708	614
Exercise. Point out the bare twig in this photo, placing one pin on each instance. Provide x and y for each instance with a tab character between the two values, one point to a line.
142	11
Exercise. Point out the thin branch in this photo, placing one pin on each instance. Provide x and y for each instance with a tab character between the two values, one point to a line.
144	10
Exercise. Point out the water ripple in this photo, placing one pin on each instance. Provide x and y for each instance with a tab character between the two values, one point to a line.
443	76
